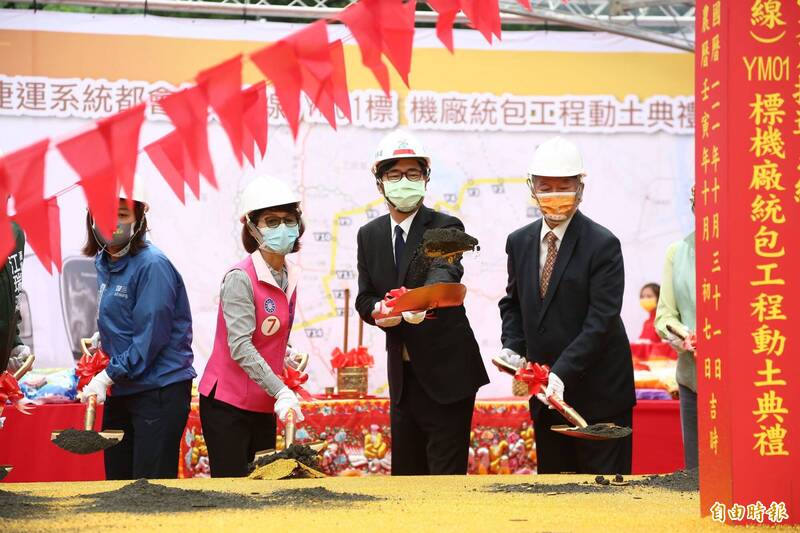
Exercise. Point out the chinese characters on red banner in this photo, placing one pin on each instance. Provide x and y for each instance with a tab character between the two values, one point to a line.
748	208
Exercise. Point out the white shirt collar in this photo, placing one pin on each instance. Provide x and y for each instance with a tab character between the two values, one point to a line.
559	230
406	224
263	273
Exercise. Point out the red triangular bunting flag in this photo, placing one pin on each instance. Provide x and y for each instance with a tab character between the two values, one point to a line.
54	218
397	33
447	9
341	94
24	179
88	154
484	16
255	120
222	85
170	157
188	111
314	57
278	62
362	19
525	3
121	132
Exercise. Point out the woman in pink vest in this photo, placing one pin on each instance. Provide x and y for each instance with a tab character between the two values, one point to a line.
241	391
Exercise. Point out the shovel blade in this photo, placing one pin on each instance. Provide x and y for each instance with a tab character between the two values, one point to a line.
5	470
612	431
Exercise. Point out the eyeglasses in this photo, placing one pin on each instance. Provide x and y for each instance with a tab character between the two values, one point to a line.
273	222
396	175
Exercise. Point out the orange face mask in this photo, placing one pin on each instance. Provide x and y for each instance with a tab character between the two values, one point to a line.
557	206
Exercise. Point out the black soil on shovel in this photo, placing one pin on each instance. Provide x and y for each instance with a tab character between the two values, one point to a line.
435	243
4	472
299	452
609	432
439	241
143	497
82	442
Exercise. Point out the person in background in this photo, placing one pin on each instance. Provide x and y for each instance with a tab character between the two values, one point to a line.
145	326
241	391
562	306
676	310
13	352
648	299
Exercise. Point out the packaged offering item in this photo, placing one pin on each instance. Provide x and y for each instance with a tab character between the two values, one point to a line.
54	385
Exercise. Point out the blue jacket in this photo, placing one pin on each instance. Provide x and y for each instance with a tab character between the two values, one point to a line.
144	321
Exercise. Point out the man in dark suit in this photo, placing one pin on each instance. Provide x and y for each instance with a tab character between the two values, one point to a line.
562	308
435	366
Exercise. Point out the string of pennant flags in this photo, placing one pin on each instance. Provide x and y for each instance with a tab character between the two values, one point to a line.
105	155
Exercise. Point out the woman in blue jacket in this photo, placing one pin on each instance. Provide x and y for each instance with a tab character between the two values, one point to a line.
145	326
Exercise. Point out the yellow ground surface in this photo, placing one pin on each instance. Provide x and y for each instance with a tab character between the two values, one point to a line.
411	504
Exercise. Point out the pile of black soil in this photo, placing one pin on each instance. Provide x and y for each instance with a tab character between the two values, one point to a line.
22	505
82	442
545	488
299	452
144	497
318	495
442	241
680	481
606	431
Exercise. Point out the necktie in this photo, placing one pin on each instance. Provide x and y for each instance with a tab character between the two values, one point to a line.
399	246
549	262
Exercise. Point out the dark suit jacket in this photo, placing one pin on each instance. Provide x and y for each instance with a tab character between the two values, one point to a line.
577	329
443	351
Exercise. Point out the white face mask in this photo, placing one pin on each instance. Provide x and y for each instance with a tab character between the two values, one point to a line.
405	194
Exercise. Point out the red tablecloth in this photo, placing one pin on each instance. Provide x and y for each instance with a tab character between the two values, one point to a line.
500	442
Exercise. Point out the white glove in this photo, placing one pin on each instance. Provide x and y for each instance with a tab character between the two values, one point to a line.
19	354
675	342
95	338
414	317
285	400
99	385
555	387
385	322
511	358
295	359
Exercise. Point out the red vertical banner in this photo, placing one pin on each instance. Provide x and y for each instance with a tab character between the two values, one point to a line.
748	259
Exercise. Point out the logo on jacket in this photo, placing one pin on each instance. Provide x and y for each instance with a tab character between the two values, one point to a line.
121	291
269	306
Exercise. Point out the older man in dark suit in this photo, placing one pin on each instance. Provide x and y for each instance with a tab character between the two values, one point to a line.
435	366
562	308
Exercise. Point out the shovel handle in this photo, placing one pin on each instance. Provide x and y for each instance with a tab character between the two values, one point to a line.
91	411
289	427
27	365
566	411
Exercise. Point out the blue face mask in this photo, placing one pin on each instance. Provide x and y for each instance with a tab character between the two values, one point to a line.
281	239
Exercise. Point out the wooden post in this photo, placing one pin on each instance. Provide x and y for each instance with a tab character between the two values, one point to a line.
346	318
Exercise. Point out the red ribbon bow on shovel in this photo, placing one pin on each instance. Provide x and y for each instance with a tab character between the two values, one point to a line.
10	392
535	376
294	379
89	366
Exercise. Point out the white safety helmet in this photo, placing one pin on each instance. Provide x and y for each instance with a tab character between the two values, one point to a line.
556	157
139	192
265	192
399	144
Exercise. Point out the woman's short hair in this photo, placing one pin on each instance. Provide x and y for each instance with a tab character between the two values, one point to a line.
92	247
655	287
249	242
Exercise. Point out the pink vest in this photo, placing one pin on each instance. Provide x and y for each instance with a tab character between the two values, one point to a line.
274	317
